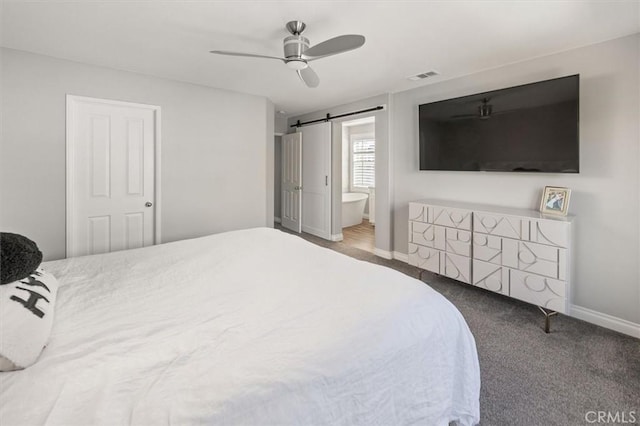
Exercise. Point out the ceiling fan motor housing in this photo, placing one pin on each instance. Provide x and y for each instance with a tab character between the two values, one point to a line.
294	46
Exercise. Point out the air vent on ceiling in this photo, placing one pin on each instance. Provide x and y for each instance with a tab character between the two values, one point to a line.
423	75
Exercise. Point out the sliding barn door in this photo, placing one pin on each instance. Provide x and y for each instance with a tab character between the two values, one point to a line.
110	176
292	181
316	179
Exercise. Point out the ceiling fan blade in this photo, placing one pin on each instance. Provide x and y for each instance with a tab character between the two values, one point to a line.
309	77
335	45
248	55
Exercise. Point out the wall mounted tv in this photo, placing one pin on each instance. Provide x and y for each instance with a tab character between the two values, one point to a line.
528	128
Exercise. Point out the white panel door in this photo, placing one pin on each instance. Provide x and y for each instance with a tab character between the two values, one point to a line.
292	181
110	188
316	179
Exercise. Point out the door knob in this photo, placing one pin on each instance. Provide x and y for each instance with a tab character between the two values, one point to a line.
148	204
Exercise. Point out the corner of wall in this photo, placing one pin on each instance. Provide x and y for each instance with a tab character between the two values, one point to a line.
270	160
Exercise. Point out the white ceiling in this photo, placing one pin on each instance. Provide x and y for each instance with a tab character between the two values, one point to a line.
172	39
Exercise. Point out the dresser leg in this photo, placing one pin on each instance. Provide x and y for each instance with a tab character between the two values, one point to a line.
547	318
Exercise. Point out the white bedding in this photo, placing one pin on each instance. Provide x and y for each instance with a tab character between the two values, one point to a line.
253	327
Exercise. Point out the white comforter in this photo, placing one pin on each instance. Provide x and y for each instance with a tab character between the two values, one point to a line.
251	327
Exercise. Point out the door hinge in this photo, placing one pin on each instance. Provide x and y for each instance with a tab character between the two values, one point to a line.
326	180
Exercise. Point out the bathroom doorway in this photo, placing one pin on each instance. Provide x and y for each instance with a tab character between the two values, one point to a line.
358	183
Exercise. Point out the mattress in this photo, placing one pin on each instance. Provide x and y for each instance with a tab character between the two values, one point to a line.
251	327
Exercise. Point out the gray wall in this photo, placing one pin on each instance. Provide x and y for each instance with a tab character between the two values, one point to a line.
384	234
270	163
605	197
280	125
277	184
215	147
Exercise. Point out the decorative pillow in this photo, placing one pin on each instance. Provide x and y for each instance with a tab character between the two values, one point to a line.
19	257
26	318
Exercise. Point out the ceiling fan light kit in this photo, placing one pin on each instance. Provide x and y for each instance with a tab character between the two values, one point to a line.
296	64
297	52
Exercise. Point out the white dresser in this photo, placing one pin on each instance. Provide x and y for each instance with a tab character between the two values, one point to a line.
518	253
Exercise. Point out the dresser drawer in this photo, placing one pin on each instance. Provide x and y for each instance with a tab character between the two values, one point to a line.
542	291
419	212
491	277
451	218
427	235
424	258
458	241
550	232
540	259
501	226
455	266
492	249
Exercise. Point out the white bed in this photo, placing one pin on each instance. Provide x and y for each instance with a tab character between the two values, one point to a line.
253	327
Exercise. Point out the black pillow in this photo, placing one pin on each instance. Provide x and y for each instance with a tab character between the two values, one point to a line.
19	257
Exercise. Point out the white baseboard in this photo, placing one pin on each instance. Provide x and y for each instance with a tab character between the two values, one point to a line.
365	216
606	321
383	253
277	220
401	256
337	237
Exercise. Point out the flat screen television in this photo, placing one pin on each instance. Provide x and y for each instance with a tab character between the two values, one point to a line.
528	128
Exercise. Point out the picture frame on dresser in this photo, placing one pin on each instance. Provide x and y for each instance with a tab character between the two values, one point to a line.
555	200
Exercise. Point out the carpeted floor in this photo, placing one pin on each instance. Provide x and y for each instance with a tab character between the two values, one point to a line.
529	377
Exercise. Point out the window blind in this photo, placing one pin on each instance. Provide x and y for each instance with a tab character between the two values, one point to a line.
363	167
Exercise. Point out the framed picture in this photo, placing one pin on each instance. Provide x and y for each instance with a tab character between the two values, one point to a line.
555	200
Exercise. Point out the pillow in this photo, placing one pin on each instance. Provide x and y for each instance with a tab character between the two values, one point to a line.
26	318
19	257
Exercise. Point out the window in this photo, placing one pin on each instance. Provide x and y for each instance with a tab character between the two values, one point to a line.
363	160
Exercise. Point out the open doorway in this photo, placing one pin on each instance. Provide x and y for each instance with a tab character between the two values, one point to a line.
358	183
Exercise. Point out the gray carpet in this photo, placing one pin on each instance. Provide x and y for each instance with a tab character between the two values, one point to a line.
529	377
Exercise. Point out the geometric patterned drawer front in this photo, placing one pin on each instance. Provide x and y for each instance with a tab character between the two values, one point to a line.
424	258
458	242
540	259
427	235
541	291
501	251
491	277
452	218
487	248
550	232
502	226
456	267
419	213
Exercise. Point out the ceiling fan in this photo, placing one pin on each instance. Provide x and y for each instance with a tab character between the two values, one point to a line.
297	52
485	111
